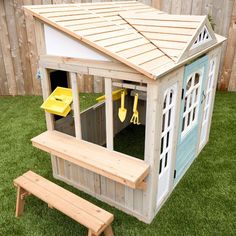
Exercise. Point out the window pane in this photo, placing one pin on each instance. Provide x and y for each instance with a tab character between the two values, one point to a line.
164	104
166	159
189	84
162	140
196	95
183	124
163	121
194	111
169	117
188	118
167	139
160	167
196	81
171	96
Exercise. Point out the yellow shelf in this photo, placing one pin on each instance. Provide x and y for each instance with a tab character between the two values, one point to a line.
58	103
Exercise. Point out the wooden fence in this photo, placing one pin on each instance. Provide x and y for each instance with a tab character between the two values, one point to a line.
18	55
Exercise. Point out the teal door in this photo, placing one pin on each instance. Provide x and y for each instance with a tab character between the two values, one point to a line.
190	114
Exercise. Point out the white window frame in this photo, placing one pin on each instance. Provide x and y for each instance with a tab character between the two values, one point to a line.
194	104
167	127
208	100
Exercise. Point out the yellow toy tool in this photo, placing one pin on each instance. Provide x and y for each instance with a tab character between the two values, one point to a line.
122	111
135	117
116	95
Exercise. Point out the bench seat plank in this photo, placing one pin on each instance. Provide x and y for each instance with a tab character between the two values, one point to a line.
68	203
119	167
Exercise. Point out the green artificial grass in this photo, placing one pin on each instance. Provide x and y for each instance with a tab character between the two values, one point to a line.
131	141
203	203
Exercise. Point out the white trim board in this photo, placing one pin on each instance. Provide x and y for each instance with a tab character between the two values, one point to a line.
60	44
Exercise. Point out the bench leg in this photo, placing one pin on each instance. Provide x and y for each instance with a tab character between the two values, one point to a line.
90	233
108	231
20	200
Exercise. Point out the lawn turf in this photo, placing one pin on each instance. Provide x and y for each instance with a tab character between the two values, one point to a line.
203	203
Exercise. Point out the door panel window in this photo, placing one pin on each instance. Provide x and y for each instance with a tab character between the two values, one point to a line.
168	106
191	101
168	120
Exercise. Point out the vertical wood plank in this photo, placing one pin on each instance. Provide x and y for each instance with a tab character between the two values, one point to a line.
6	52
166	5
109	113
23	47
156	4
176	7
186	7
152	136
76	105
32	47
120	193
129	198
229	53
196	7
4	90
13	39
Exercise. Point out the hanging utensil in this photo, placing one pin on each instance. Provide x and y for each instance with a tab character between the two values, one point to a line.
135	117
122	110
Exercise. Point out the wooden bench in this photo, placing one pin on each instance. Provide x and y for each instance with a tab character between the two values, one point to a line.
94	218
116	166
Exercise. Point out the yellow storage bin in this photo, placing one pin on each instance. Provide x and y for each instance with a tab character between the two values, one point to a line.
116	95
58	103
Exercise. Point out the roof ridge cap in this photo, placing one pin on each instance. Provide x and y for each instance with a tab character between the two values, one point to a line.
150	41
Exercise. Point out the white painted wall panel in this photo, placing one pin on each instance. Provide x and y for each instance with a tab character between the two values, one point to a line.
59	44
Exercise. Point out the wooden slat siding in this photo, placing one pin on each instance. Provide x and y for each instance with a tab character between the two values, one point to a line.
6	52
23	47
129	198
227	75
186	7
4	90
166	6
97	184
156	4
120	193
14	45
232	81
138	201
176	7
196	7
74	173
29	21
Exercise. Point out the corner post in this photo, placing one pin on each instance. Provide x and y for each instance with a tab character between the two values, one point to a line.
152	134
76	104
109	113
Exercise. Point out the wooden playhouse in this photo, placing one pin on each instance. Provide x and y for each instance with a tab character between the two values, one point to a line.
170	62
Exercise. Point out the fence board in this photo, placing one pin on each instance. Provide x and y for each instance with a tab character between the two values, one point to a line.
18	55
